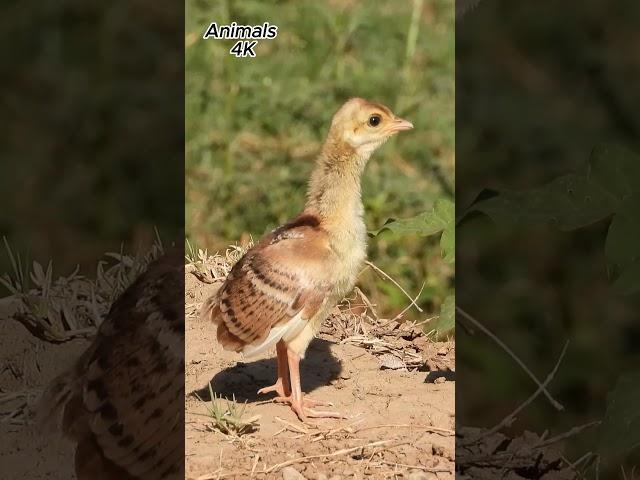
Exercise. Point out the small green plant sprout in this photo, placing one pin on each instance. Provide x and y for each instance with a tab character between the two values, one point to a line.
228	416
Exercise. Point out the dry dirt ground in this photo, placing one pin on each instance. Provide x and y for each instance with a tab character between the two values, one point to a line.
395	386
27	365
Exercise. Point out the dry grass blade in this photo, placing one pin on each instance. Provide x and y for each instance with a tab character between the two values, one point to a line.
213	268
19	282
41	329
381	443
388	277
14	406
366	302
415	467
192	310
291	426
255	465
441	431
569	433
58	309
393	342
509	419
406	309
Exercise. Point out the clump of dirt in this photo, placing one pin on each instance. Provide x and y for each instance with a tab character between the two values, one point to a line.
394	385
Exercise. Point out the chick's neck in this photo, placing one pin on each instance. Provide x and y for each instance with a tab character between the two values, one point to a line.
334	192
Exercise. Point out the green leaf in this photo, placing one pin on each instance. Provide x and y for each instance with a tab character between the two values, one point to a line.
569	202
446	321
445	211
622	247
440	219
574	200
420	224
628	281
448	245
616	169
620	433
609	187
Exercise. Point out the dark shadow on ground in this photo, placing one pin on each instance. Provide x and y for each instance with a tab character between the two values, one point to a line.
449	376
243	380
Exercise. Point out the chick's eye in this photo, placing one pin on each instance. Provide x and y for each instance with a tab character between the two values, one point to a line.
374	120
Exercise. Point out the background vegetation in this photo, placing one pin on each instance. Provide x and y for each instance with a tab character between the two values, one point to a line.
91	153
539	89
254	125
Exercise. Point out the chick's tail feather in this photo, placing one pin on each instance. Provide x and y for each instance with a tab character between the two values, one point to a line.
52	405
61	401
210	310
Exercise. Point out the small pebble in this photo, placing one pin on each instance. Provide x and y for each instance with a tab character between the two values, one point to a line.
290	473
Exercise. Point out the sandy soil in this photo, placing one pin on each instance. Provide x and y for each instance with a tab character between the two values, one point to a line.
411	409
27	365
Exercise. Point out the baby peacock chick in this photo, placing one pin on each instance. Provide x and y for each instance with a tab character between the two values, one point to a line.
122	403
284	287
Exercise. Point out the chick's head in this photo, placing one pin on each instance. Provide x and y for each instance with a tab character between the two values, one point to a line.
365	125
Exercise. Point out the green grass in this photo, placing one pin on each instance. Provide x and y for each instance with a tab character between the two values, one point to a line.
228	416
254	126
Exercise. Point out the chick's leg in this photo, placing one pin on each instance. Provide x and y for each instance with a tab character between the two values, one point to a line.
282	386
301	405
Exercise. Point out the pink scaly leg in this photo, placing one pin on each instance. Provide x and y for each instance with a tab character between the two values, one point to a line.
282	386
299	404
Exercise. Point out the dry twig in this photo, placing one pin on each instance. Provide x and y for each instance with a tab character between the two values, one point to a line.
438	430
502	345
388	277
380	443
509	419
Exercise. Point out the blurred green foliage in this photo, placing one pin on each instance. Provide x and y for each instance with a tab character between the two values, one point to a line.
440	220
254	125
609	187
621	424
91	151
538	86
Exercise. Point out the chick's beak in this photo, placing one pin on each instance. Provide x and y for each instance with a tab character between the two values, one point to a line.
400	124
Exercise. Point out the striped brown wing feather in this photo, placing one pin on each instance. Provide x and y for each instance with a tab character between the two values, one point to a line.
286	273
124	400
133	407
137	423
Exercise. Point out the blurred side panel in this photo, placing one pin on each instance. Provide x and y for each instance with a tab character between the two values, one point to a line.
547	187
91	255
